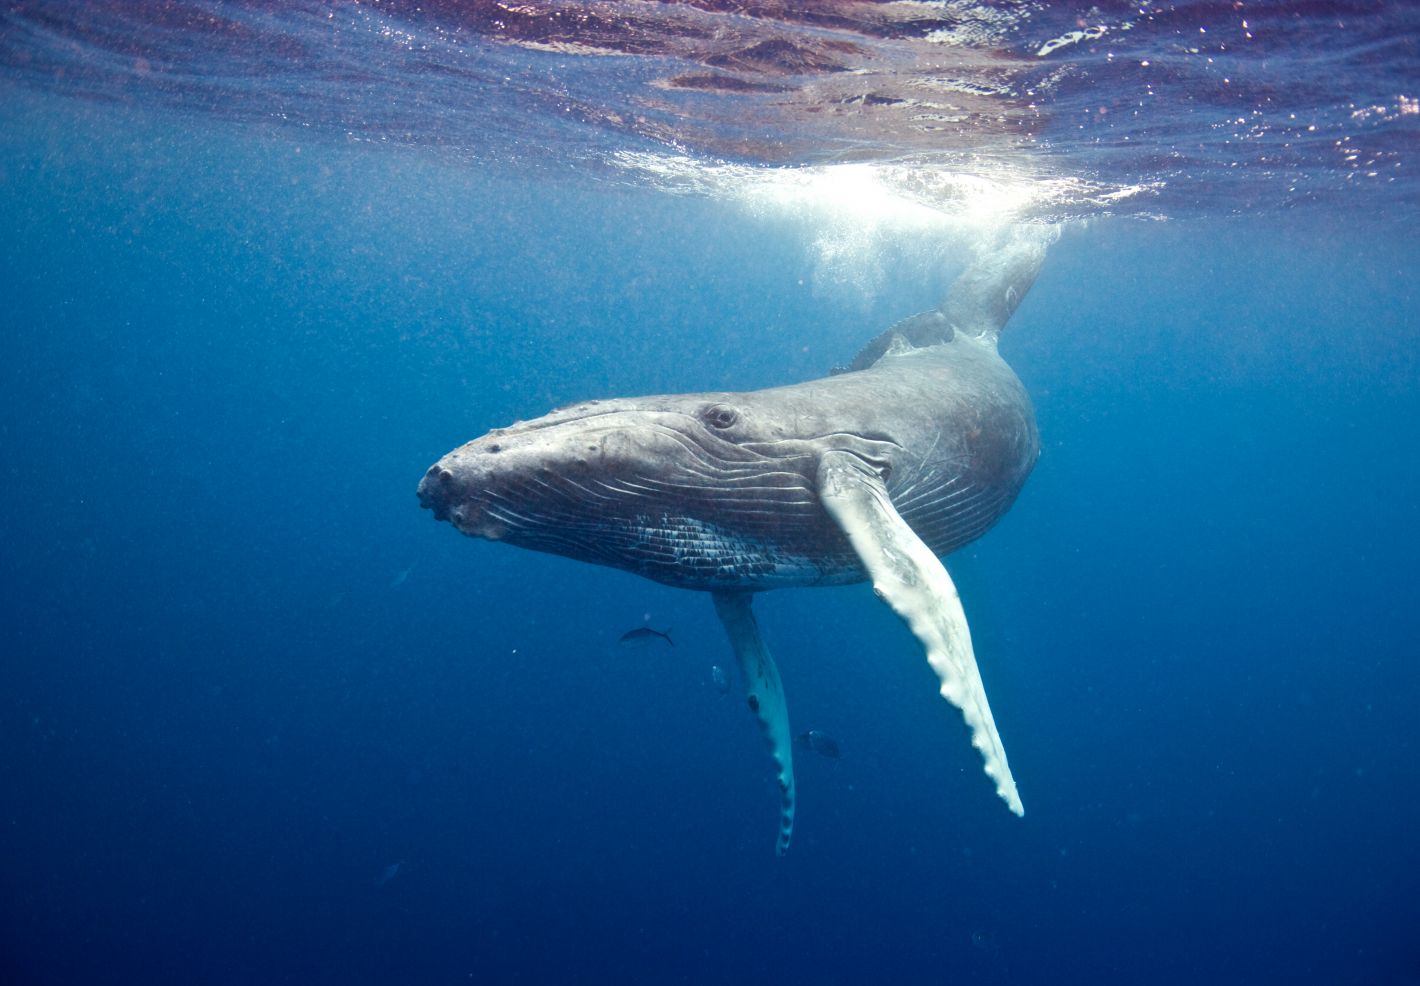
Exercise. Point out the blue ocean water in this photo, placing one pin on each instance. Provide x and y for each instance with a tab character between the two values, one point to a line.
264	722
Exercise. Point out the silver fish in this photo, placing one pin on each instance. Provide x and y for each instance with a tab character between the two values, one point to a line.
644	635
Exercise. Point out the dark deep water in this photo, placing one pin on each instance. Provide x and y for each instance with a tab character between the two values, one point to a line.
244	674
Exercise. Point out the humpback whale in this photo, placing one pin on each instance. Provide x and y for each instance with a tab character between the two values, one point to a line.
914	449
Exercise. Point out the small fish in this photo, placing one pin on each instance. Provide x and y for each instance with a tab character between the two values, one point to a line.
722	680
644	635
820	742
399	577
388	873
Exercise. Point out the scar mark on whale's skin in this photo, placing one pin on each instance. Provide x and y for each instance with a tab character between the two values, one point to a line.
917	447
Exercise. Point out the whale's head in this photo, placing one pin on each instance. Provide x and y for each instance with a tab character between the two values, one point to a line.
695	490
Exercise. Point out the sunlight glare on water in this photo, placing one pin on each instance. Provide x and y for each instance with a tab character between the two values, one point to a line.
857	217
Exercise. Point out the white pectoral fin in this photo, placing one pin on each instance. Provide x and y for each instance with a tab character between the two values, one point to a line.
910	579
765	694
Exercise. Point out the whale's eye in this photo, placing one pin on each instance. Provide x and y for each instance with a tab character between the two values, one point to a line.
720	416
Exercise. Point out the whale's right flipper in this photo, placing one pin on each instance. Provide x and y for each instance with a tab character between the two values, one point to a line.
910	579
765	694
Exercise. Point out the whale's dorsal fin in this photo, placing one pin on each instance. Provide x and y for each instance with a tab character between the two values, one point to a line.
924	329
910	579
765	694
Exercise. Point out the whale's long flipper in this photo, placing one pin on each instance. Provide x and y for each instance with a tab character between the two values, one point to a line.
910	579
765	695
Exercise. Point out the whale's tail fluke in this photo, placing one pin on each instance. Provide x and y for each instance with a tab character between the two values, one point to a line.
983	299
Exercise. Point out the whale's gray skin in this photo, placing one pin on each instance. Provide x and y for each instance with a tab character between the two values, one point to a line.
918	448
